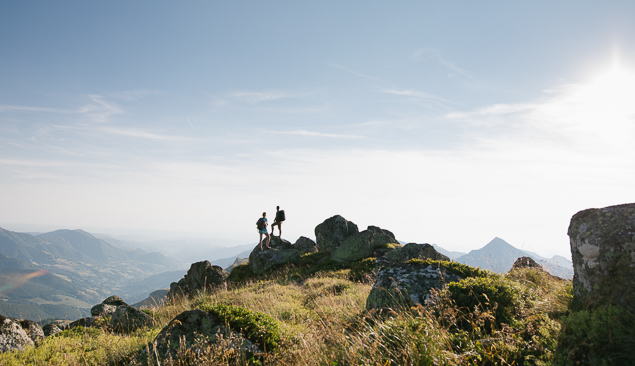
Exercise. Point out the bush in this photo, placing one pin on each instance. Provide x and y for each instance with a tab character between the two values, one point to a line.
460	269
604	336
487	294
257	327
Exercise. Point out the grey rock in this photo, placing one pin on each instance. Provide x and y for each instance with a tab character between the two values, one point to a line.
83	322
412	251
33	330
195	330
332	232
305	245
603	252
362	245
128	319
526	262
12	336
260	261
51	329
279	243
404	285
114	300
201	276
102	309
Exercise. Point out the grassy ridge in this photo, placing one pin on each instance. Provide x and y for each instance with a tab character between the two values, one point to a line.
315	314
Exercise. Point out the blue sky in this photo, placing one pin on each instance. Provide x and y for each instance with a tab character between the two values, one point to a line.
445	122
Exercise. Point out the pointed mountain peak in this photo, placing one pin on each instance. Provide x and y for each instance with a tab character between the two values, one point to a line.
498	244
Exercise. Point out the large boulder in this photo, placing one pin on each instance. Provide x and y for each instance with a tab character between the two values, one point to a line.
201	276
332	232
55	327
412	251
12	336
114	300
305	245
603	252
128	319
279	243
406	284
193	331
362	245
102	309
260	261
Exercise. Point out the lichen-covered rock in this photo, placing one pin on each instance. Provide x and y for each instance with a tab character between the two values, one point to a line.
12	336
412	251
51	329
260	261
103	309
128	319
194	330
403	285
114	300
33	330
332	232
201	276
362	245
603	252
83	322
305	245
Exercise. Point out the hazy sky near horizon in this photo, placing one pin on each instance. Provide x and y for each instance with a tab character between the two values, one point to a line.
445	122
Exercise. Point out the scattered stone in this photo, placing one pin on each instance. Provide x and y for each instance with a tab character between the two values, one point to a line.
51	329
332	232
406	284
603	252
128	319
12	336
305	245
201	276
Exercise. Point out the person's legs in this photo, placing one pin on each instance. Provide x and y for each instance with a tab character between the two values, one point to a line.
260	241
268	240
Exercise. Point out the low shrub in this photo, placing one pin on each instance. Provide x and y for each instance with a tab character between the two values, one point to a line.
257	327
460	269
475	295
603	336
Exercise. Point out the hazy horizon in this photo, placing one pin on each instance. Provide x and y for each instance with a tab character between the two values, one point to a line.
444	122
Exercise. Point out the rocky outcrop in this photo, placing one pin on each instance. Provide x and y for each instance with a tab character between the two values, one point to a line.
332	232
33	330
412	251
114	300
526	262
305	245
55	327
194	330
128	319
406	284
260	261
201	276
603	252
362	245
12	336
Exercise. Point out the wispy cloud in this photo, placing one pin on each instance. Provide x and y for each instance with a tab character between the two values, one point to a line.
133	132
307	133
252	97
419	97
99	110
24	108
430	54
355	72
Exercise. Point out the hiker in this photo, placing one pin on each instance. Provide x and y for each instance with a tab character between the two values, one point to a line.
280	217
262	229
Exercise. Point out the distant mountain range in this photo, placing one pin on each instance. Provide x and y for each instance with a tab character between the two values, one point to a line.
499	256
63	273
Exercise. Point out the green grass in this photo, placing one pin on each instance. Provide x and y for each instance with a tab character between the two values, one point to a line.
314	313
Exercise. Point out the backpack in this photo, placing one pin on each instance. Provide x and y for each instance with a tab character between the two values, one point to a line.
260	224
280	216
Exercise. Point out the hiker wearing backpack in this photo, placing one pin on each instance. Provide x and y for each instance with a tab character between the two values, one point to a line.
280	217
261	224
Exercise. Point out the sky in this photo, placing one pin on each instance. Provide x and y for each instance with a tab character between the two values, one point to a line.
446	122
